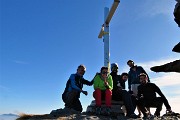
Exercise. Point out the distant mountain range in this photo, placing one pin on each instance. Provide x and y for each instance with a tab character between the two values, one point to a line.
9	116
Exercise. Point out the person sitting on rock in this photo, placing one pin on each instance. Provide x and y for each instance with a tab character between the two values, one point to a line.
119	93
103	85
147	97
73	89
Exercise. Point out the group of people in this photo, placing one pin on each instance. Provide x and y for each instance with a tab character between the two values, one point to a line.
110	86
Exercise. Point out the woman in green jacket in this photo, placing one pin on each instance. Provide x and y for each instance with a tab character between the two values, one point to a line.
103	85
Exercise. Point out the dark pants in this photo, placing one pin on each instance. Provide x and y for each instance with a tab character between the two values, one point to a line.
156	102
123	95
71	100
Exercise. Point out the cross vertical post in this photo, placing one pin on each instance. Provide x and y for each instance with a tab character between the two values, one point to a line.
106	39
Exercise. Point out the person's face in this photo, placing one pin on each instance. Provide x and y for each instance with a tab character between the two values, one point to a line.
81	71
130	64
143	79
104	73
115	69
124	77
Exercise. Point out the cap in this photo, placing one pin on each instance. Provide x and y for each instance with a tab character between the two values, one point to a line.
142	74
129	61
114	65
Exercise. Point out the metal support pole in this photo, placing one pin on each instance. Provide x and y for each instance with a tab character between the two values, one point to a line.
106	39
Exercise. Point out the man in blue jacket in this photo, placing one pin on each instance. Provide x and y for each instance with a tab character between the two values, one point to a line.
73	89
133	76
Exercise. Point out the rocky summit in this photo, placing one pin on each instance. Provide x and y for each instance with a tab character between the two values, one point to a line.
117	113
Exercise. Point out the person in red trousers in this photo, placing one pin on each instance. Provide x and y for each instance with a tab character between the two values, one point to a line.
103	85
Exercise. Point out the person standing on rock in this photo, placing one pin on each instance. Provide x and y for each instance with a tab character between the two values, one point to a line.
103	85
119	93
73	89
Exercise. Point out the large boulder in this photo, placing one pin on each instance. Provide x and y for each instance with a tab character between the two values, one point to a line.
117	108
176	48
168	67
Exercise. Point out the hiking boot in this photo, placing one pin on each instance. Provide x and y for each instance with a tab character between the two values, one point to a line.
139	115
134	116
98	110
108	110
149	117
155	116
169	111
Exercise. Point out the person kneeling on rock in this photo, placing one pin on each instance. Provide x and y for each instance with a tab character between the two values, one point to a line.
147	97
73	89
103	85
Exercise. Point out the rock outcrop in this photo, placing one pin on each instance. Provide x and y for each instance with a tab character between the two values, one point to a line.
176	48
168	67
177	13
117	108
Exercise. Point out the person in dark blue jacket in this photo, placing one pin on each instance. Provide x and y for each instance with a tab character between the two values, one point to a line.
133	76
73	89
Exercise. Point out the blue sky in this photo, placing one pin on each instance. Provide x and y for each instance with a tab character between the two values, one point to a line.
43	41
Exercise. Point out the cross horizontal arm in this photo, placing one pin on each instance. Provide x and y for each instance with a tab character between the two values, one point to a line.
112	11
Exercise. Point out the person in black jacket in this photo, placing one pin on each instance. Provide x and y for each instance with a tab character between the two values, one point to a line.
119	93
73	89
147	97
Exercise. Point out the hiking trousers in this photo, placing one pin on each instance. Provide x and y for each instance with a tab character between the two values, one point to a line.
156	102
123	95
100	95
71	100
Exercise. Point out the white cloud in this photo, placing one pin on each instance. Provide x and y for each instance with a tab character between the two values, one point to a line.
167	80
175	103
156	7
145	9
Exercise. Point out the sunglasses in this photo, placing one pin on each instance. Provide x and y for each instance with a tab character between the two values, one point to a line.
105	72
114	68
